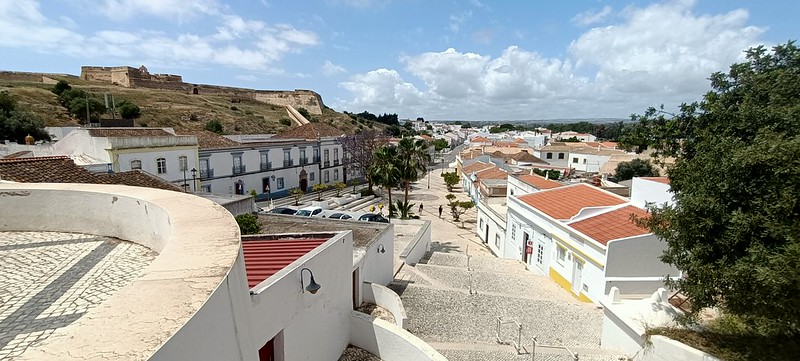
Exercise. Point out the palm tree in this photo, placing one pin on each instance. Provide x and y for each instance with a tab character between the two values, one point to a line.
412	161
384	170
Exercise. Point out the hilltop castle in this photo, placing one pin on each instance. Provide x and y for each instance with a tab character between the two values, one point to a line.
131	77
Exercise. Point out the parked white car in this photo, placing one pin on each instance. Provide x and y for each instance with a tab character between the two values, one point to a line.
311	211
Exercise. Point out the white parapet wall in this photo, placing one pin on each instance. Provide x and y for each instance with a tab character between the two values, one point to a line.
666	349
197	279
387	341
386	298
419	245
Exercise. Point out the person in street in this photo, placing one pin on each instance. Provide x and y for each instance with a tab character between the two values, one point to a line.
420	209
440	210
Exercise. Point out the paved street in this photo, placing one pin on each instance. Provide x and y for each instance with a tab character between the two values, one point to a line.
455	307
50	279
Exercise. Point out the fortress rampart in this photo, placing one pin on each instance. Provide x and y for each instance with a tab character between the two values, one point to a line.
141	78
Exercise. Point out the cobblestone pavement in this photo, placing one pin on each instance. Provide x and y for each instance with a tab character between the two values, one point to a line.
455	307
48	280
352	353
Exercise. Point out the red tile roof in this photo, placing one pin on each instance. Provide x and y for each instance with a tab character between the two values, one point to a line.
479	140
263	258
476	167
492	173
525	156
612	225
539	182
209	140
664	180
505	144
566	202
519	140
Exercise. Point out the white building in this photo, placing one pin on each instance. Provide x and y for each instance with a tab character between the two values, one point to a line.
653	190
520	184
583	238
556	154
590	160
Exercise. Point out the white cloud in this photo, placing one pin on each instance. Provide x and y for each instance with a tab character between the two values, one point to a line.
331	69
457	20
180	10
237	42
591	17
657	54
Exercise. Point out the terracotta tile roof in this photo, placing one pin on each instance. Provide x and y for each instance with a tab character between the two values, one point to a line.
129	132
525	156
664	180
539	182
20	154
612	225
264	258
137	178
426	137
519	140
62	169
476	167
505	144
470	154
210	140
491	173
565	202
555	147
479	140
499	154
58	169
310	131
610	145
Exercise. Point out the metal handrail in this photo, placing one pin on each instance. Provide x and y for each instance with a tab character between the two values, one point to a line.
574	355
517	345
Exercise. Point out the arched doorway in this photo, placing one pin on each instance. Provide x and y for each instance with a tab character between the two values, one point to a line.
195	91
303	180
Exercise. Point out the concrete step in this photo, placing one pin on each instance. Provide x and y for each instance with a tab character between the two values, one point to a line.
486	263
365	205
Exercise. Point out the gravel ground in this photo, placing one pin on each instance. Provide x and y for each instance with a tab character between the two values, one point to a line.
460	355
352	353
446	316
377	311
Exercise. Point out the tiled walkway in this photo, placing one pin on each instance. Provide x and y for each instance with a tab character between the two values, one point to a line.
48	280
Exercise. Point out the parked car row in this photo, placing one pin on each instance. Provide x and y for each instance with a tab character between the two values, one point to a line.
313	211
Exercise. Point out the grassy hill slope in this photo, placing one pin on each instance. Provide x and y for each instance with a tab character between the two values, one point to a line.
161	108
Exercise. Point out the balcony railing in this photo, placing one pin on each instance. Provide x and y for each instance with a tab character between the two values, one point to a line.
239	169
327	164
316	159
303	161
288	162
206	173
335	162
266	165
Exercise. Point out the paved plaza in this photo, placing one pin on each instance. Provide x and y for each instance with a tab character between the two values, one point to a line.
49	280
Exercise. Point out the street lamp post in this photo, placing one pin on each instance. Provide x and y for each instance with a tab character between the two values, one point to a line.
194	179
185	185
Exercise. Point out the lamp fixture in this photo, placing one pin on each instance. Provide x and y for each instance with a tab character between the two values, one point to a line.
313	286
381	249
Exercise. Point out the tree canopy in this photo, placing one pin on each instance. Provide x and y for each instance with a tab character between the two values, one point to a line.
735	224
635	168
16	124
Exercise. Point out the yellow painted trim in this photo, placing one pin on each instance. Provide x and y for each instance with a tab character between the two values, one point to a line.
576	249
561	281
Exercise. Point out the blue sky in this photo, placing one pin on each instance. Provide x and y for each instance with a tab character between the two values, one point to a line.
437	59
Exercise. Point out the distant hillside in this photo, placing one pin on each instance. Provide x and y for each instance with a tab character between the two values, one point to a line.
161	108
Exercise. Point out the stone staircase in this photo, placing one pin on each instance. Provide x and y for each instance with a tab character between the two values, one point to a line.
453	301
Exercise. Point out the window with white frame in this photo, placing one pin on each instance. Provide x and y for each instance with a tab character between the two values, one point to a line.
497	240
335	174
549	155
540	253
161	165
183	163
562	254
206	188
311	176
335	154
327	176
574	160
280	183
513	231
136	164
560	155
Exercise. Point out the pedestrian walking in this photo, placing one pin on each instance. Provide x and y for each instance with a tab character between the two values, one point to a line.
420	209
440	210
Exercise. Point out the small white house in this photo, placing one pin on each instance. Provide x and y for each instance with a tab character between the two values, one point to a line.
653	190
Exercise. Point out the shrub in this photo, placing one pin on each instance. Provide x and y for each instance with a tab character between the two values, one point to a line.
248	224
285	121
214	126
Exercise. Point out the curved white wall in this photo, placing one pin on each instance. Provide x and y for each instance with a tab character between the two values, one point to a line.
386	298
387	341
197	279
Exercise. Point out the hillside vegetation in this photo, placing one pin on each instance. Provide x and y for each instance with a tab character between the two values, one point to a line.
161	108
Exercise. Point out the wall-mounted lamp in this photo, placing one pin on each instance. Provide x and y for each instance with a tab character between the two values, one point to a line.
381	249
313	286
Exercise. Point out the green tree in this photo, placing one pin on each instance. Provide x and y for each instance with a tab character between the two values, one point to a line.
340	186
319	188
214	126
7	103
384	170
128	109
16	125
61	87
458	208
635	168
296	193
248	224
440	144
734	227
450	180
304	112
412	161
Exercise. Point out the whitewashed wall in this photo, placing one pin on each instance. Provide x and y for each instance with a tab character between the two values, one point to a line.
645	191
